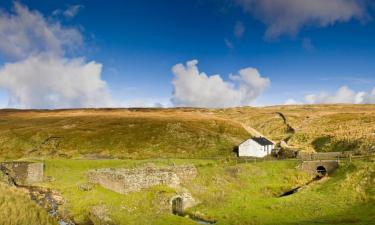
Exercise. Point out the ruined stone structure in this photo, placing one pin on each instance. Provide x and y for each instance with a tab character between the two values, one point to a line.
131	180
22	173
322	155
182	201
317	167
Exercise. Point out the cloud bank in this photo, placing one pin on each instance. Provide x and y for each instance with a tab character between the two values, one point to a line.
287	17
50	82
38	73
197	89
344	95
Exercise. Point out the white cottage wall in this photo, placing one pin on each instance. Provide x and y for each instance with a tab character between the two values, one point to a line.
251	148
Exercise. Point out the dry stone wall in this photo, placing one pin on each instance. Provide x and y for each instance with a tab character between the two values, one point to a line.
131	180
322	155
23	173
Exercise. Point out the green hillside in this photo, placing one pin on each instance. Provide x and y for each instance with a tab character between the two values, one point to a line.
229	192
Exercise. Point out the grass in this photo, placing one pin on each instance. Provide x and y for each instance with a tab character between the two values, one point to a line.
181	132
321	128
17	209
327	202
231	193
116	134
134	208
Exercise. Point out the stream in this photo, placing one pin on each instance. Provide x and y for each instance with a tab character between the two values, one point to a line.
201	221
49	200
195	218
294	190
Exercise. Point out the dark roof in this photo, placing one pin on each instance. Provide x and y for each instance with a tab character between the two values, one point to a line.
262	141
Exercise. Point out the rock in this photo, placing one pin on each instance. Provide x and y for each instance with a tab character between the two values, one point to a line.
283	144
49	179
4	178
57	197
23	173
86	187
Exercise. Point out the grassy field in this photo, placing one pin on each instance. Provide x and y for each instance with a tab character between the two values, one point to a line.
229	192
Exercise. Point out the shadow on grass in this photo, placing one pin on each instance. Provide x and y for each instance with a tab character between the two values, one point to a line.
329	144
359	215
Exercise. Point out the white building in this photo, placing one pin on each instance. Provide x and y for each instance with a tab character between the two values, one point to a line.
256	147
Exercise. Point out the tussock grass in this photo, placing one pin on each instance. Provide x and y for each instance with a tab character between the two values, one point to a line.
321	128
116	134
181	132
17	209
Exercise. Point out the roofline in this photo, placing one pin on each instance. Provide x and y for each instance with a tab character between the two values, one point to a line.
255	137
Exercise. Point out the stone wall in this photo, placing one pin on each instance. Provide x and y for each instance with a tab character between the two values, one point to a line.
131	180
187	199
311	166
322	155
185	173
23	173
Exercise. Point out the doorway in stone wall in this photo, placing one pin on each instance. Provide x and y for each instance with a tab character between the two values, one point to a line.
177	206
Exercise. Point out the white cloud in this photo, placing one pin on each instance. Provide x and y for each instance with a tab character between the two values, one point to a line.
239	29
193	88
42	76
343	95
27	32
72	11
287	17
291	101
52	82
369	98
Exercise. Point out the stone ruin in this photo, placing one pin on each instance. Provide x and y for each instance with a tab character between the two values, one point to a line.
311	156
124	181
21	173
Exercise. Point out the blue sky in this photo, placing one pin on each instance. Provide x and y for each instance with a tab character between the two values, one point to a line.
325	55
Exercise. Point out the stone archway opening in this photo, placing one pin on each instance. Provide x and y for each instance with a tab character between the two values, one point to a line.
321	171
178	206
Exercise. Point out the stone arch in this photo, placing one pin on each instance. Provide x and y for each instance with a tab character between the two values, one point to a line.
178	206
321	171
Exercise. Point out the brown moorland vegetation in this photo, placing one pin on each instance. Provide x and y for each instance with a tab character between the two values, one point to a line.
182	132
